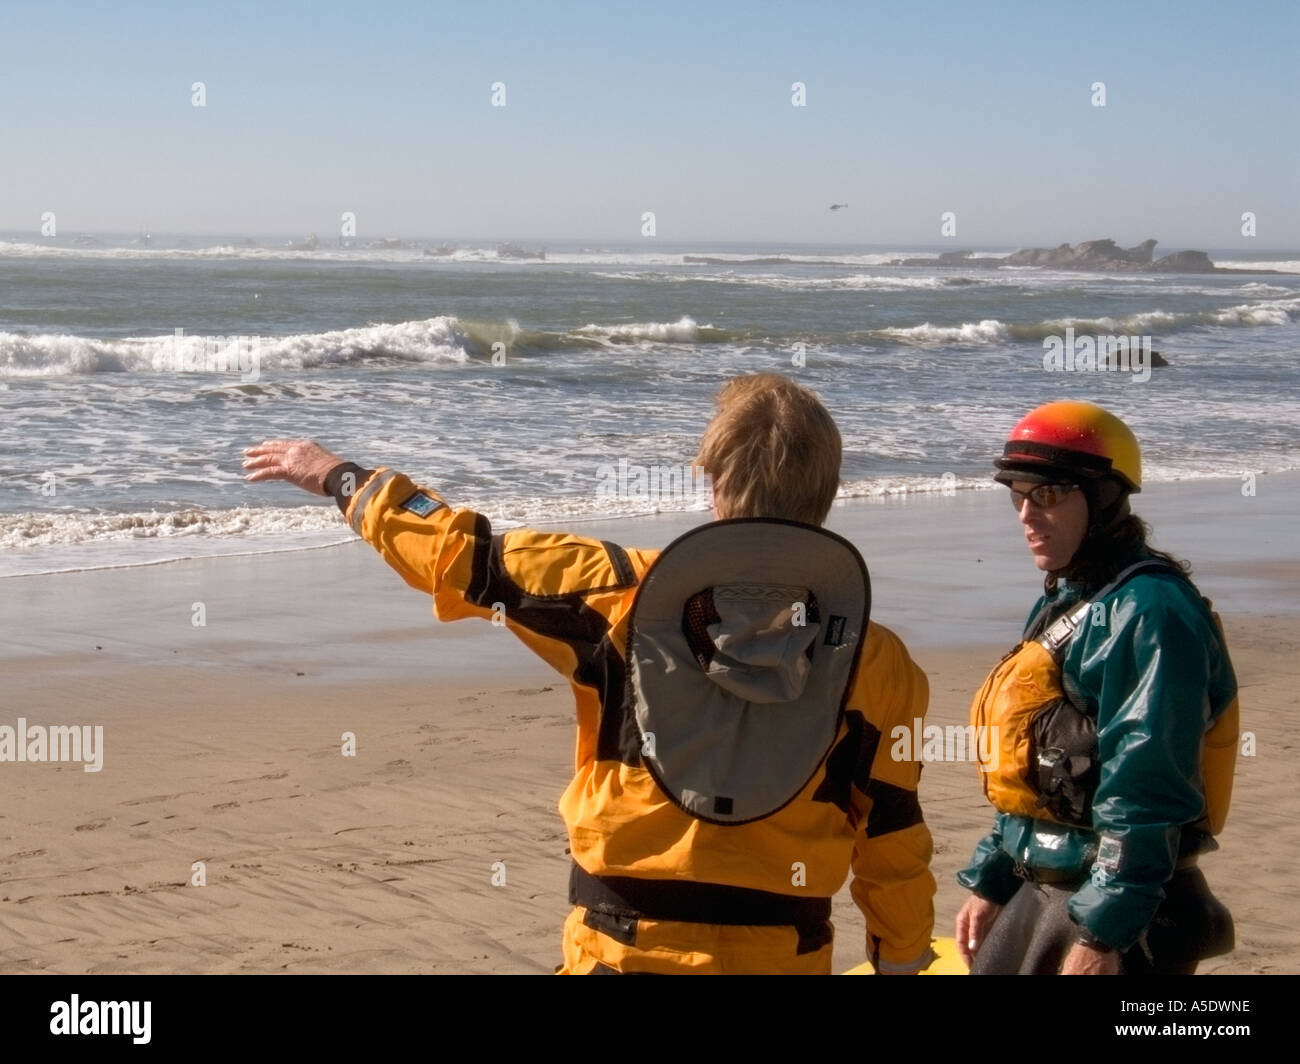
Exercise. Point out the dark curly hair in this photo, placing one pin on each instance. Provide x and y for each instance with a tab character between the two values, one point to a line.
1101	557
1114	534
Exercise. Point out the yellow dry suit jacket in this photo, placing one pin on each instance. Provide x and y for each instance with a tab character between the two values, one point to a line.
568	599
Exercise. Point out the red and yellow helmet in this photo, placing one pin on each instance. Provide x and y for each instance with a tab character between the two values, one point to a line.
1071	441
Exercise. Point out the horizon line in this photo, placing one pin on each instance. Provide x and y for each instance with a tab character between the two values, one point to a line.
624	241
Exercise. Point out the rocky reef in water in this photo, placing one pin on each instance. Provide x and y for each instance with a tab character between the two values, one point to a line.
1089	255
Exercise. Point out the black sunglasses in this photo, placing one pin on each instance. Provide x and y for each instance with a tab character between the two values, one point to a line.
1045	496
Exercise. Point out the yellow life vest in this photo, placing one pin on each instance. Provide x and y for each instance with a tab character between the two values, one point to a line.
1219	757
1037	751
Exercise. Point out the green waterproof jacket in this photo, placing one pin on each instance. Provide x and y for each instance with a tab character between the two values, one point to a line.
1150	667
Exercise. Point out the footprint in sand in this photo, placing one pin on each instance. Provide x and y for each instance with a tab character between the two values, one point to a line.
225	805
467	699
26	853
153	798
255	779
93	825
531	691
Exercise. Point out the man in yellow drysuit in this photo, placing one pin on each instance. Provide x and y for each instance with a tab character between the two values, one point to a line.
731	698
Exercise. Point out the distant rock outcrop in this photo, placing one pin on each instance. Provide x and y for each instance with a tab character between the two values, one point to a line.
948	258
1186	262
1089	255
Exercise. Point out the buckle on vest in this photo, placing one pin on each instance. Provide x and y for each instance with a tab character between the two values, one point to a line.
1044	876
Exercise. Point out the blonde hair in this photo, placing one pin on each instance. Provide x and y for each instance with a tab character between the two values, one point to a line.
771	450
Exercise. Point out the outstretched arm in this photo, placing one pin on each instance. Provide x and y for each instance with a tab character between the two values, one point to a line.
558	593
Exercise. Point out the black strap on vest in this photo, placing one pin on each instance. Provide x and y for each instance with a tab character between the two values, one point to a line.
682	901
1060	632
622	564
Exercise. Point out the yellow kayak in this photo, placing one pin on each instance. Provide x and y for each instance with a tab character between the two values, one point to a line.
947	961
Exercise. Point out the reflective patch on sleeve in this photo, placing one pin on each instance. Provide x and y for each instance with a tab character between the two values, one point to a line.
907	967
1110	853
421	504
367	493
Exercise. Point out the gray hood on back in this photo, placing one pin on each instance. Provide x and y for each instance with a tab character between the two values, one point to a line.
762	654
732	717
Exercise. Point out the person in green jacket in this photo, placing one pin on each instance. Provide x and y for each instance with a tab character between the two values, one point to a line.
1093	870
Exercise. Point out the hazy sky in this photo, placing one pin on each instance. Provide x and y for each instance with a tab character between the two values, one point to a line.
683	109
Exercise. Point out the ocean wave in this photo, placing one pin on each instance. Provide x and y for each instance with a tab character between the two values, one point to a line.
992	331
447	341
1275	312
988	331
872	259
683	331
1282	266
439	341
1258	286
1138	323
34	543
1131	286
412	251
40	542
223	251
902	486
432	341
39	529
852	282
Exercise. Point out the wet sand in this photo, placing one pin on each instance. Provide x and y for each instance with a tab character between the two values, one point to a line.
223	745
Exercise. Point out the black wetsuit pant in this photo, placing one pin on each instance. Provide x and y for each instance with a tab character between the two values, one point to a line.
1034	932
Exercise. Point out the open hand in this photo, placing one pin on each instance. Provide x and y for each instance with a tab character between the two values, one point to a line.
973	923
303	463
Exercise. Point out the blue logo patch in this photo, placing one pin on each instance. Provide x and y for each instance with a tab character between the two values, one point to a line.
421	504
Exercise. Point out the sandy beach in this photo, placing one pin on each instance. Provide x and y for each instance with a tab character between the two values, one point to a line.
222	746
